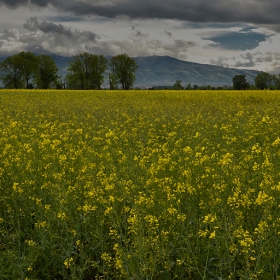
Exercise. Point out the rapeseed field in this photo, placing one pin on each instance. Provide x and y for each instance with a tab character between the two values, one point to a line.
139	184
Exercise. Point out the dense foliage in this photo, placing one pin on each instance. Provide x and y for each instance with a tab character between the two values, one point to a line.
139	185
18	70
240	82
85	71
123	70
46	72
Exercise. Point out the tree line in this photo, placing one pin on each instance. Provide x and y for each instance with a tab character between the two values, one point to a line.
85	71
262	81
88	71
23	70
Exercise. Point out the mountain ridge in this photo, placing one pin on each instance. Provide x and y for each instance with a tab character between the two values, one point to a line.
165	70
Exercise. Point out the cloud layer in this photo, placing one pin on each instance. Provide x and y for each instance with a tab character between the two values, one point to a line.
48	37
230	33
250	11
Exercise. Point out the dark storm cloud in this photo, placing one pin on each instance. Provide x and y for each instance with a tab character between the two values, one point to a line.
31	24
139	34
169	34
257	11
58	30
14	3
253	11
48	27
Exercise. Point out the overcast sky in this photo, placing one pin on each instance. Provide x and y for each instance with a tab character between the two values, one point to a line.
230	33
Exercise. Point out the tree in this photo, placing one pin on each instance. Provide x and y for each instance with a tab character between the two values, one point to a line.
78	71
240	83
276	82
123	70
46	73
113	80
28	66
178	85
98	74
87	71
263	80
11	72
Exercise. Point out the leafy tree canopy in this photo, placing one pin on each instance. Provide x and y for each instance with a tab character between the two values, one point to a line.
46	73
123	70
11	72
263	80
178	85
28	66
240	82
24	67
87	71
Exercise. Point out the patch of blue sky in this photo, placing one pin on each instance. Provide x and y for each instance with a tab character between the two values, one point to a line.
239	40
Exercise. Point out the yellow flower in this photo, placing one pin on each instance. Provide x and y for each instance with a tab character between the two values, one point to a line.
47	207
203	233
61	216
276	142
210	218
172	210
119	264
179	262
108	210
68	262
41	224
152	221
30	242
212	235
106	257
226	159
17	188
181	217
262	198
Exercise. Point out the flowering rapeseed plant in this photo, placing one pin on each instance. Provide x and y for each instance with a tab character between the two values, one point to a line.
139	185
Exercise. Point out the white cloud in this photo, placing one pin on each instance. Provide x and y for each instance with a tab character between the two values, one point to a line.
264	57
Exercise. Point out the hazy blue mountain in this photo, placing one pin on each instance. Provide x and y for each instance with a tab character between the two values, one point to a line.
165	70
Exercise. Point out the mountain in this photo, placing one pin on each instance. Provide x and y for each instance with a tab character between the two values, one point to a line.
156	71
165	70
